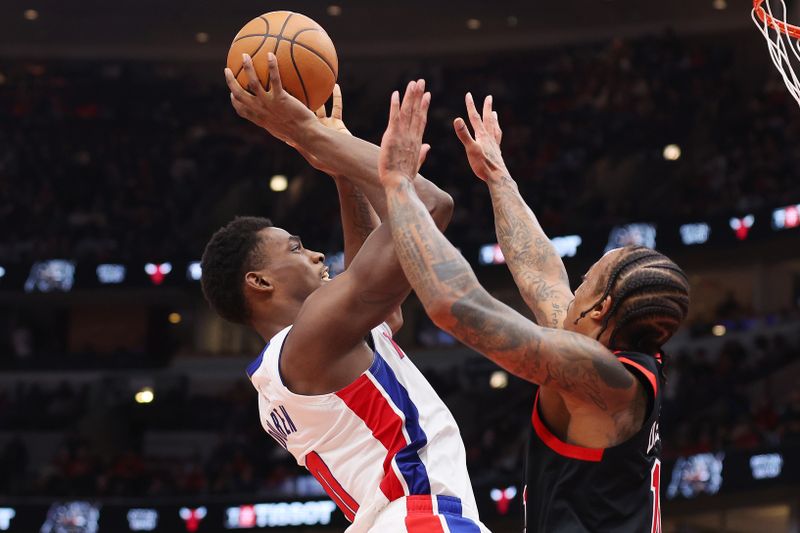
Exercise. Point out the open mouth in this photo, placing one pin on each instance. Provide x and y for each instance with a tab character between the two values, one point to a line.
325	274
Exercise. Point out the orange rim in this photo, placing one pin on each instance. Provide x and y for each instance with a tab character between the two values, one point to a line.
777	25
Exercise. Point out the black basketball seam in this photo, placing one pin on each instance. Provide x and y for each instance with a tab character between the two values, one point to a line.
299	76
312	50
241	67
266	33
278	39
293	41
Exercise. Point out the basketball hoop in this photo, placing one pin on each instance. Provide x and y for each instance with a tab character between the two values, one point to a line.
783	41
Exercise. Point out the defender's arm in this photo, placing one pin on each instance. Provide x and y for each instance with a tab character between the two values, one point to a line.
595	386
536	266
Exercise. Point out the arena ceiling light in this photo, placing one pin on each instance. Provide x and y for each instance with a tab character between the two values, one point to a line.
31	14
144	395
201	37
279	183
672	152
498	379
720	5
473	24
334	10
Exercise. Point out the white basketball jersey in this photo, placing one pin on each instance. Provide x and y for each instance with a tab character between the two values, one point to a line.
385	436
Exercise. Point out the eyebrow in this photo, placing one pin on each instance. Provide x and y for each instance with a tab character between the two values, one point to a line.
295	238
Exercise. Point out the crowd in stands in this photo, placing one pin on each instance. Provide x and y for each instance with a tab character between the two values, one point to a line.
103	160
712	401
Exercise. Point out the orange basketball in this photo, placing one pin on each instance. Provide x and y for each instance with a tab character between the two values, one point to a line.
306	56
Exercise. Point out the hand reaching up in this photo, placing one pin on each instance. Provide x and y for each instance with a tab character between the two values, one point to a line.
402	151
483	152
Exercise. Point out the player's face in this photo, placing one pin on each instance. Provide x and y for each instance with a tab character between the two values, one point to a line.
587	294
294	270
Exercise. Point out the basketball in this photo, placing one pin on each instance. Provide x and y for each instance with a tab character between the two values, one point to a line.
306	56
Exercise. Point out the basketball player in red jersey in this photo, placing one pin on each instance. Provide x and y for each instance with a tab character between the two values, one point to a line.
593	464
333	387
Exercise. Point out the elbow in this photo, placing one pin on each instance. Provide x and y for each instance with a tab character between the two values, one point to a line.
439	311
442	209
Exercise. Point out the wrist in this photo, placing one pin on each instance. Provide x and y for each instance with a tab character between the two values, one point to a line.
306	135
394	178
500	178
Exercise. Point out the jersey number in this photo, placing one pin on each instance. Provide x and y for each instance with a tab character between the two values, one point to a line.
655	488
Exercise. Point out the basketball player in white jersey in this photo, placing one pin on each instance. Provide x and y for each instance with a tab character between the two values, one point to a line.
333	387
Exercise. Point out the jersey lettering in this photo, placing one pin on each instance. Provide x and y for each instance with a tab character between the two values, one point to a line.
655	487
280	425
654	436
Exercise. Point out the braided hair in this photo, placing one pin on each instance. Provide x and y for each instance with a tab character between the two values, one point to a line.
650	299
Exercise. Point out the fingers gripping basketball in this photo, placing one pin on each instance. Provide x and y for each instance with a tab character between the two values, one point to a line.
306	56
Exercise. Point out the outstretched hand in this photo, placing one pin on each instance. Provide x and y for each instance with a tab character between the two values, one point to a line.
335	120
483	152
275	110
402	151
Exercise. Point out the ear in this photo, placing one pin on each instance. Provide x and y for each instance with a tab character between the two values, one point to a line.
600	310
257	281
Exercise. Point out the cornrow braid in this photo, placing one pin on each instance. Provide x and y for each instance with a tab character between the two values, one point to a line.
650	299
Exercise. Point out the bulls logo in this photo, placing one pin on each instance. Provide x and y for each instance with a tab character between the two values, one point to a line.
502	498
192	517
741	226
157	273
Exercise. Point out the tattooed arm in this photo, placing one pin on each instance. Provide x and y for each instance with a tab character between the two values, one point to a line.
358	217
531	257
597	389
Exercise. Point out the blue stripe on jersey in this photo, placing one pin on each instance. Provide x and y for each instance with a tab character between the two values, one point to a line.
448	504
407	459
460	524
255	363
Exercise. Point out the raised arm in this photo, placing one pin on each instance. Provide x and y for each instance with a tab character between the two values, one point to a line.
531	257
359	220
333	152
594	385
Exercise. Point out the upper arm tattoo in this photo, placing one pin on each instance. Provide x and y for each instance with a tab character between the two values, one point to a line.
570	362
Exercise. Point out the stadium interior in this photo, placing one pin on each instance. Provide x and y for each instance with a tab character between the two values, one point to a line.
624	122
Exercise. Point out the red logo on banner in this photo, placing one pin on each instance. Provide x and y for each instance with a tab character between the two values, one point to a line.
157	272
192	517
741	226
502	498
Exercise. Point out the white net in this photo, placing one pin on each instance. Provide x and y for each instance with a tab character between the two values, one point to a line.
783	40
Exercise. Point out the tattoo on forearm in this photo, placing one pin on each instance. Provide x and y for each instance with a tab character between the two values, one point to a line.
530	256
362	214
570	362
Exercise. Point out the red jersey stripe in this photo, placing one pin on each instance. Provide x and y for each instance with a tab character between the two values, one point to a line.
338	494
367	402
557	445
646	373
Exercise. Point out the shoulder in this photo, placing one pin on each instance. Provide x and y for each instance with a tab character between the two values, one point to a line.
647	368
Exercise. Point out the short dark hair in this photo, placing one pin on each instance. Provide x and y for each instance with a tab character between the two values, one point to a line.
650	299
228	256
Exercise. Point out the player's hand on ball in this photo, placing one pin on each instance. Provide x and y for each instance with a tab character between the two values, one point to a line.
402	151
277	111
483	151
335	121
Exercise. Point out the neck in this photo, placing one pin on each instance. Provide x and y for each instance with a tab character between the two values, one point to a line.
268	320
